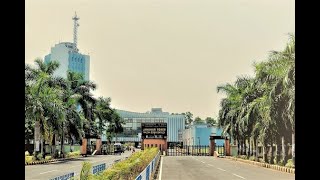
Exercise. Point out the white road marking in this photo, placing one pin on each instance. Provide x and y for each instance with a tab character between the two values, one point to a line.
210	165
48	171
221	169
75	166
160	173
239	176
202	162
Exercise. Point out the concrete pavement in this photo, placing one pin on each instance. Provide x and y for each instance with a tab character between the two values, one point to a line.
208	167
52	170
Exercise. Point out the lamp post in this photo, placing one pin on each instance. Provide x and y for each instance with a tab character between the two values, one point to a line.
199	140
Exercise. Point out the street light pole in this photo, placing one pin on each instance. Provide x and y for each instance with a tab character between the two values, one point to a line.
199	140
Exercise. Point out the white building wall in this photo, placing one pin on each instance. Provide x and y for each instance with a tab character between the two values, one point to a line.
87	67
60	53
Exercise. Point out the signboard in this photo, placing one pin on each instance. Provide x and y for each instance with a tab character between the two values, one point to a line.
64	177
154	130
98	168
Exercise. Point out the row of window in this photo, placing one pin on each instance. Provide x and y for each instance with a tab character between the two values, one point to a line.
143	120
80	60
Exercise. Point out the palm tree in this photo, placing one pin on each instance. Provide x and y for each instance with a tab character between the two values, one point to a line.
103	113
86	100
115	125
261	109
42	97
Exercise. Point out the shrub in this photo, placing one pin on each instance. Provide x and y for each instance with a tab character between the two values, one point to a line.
29	159
73	154
48	158
85	173
261	160
290	163
280	163
129	168
252	158
27	153
39	156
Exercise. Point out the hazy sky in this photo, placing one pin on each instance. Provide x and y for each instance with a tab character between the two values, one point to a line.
163	53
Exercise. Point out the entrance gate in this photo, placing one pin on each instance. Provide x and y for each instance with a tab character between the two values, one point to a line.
188	150
221	150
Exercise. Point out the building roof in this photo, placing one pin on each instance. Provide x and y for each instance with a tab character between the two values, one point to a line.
152	114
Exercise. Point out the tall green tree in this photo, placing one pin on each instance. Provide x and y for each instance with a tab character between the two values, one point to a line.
210	121
42	98
198	120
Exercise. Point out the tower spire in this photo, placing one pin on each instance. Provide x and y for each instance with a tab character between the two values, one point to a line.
75	30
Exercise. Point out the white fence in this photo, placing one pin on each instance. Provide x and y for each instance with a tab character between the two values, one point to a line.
147	172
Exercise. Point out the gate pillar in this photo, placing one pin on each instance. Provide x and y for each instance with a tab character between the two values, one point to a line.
227	146
212	146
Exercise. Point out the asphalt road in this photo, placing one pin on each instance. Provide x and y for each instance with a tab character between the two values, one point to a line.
55	169
208	167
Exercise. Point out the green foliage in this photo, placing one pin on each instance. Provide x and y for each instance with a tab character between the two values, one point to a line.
198	120
252	158
290	163
188	117
73	154
29	159
210	121
85	173
48	158
51	102
27	153
129	168
39	157
262	108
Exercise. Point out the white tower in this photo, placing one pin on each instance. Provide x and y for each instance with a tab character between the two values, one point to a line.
75	29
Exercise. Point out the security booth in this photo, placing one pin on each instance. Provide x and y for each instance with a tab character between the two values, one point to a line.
90	145
154	135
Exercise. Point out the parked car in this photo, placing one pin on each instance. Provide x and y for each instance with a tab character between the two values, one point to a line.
118	148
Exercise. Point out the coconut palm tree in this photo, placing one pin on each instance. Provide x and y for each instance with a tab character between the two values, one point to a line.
103	113
115	125
262	108
42	97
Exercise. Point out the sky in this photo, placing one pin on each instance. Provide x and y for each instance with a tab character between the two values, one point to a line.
163	53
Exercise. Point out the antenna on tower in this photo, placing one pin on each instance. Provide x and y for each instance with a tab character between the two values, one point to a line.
75	30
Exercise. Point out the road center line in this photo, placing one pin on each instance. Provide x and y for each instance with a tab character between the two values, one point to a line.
48	171
221	169
239	176
210	165
202	162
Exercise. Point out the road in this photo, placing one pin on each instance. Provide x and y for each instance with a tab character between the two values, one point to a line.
52	170
208	167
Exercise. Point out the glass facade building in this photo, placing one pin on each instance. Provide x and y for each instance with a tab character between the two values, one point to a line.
133	120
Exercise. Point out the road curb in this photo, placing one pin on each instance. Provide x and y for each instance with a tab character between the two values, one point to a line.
48	161
266	165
